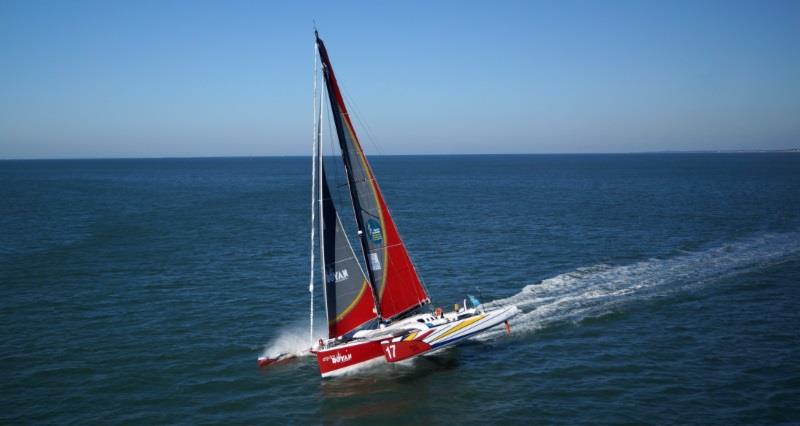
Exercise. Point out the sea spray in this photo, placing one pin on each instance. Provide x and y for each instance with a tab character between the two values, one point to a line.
599	289
293	340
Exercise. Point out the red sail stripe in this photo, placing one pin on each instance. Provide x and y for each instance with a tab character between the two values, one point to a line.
361	312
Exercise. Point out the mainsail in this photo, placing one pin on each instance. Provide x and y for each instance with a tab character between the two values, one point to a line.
348	297
393	277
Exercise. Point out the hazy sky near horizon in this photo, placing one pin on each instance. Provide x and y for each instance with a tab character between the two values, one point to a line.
150	79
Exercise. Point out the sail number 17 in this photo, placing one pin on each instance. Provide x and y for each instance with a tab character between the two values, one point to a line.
390	351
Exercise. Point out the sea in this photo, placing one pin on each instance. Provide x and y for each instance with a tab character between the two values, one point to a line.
652	289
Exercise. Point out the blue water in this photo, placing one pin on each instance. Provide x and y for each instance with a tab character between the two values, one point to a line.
653	289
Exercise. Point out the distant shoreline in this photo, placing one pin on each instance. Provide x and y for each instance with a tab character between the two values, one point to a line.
737	151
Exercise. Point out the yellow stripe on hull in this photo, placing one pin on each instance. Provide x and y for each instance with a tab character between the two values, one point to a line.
459	327
411	336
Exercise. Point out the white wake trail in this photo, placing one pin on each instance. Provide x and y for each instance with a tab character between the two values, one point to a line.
595	290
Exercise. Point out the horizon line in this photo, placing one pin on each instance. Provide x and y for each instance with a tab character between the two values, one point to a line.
190	157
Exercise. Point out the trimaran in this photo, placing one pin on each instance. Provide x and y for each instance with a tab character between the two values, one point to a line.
380	313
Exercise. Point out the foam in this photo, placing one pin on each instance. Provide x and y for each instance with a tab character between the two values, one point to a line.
293	340
595	290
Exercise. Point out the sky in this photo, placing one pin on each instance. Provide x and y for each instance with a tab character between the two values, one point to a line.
82	79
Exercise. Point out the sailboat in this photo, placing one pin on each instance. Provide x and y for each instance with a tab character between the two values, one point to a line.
378	309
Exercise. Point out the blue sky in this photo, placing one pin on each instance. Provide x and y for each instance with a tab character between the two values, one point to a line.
163	78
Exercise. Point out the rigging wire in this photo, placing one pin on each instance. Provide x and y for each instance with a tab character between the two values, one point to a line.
319	184
356	112
313	200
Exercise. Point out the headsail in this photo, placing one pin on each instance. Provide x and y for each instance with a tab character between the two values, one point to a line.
396	283
348	297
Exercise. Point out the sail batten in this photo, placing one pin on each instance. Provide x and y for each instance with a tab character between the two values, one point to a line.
396	284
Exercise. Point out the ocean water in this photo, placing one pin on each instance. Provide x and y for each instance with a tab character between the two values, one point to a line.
660	288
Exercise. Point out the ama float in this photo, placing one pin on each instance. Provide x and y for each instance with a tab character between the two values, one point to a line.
378	309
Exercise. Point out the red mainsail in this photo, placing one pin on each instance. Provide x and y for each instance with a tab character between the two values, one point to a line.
394	280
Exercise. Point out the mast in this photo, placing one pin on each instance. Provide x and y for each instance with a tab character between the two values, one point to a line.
349	300
353	194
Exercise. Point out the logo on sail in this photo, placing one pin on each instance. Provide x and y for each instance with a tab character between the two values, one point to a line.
375	263
374	231
336	276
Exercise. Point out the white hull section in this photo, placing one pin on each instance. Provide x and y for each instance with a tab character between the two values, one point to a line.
426	342
464	329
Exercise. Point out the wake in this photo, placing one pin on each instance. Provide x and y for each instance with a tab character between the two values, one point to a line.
600	289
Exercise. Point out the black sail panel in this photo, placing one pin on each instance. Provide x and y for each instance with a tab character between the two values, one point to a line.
349	300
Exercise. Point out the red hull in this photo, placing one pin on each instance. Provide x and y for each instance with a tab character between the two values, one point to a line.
398	351
340	358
